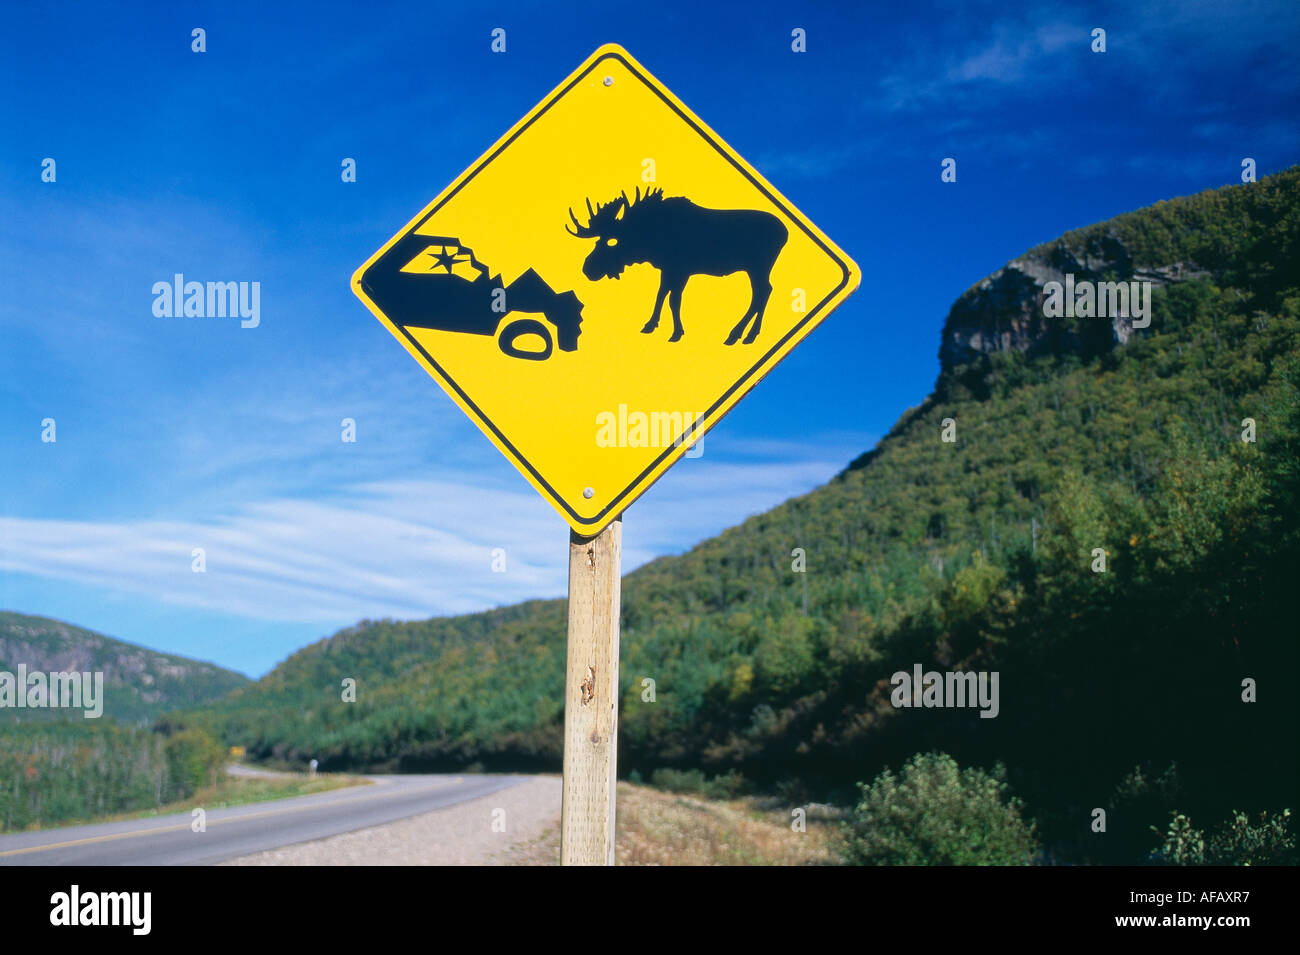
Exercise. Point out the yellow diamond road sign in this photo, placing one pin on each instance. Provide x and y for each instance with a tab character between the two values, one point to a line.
603	285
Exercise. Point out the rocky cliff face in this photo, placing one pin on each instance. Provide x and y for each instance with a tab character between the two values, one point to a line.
1005	310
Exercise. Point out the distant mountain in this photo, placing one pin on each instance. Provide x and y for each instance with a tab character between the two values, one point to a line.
139	683
771	646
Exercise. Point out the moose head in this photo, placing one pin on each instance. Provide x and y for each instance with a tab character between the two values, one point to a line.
605	225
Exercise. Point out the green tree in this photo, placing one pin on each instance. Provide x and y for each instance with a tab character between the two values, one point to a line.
193	760
935	813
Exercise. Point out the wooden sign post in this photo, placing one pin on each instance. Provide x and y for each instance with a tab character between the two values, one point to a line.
591	698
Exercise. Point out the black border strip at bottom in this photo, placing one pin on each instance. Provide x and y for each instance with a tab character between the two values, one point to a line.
310	907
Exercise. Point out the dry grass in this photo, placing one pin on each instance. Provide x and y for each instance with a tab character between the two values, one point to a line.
658	828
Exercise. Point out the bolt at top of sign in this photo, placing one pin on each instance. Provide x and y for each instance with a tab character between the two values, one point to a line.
533	288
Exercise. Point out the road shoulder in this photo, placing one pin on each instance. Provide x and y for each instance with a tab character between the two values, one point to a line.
482	831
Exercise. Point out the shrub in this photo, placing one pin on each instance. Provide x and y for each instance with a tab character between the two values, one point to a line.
1140	803
1183	844
193	760
1239	843
1234	843
678	780
725	786
935	813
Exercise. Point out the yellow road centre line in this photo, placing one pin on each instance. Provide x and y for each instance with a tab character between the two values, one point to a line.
185	825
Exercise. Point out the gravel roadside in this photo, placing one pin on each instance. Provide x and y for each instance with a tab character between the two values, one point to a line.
457	835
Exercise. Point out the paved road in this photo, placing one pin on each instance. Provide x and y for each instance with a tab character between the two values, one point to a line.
168	840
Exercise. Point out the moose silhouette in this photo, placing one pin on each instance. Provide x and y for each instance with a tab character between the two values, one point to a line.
682	239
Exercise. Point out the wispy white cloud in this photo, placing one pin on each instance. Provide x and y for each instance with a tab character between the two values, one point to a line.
408	548
972	58
989	58
1013	53
404	549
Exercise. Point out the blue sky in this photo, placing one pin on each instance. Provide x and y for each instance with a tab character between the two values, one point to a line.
225	165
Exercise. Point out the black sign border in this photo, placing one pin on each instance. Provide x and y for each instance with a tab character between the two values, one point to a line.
615	505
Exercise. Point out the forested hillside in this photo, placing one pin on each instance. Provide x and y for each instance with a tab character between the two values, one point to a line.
57	765
1119	689
139	683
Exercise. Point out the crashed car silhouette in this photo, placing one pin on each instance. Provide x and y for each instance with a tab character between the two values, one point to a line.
452	291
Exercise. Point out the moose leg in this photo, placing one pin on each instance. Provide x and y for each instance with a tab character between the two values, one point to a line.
675	303
761	295
749	313
734	336
651	325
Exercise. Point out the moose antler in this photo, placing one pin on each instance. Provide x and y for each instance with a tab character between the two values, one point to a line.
582	231
589	230
597	219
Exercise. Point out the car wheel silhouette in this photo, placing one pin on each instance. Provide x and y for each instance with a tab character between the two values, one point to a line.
516	330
